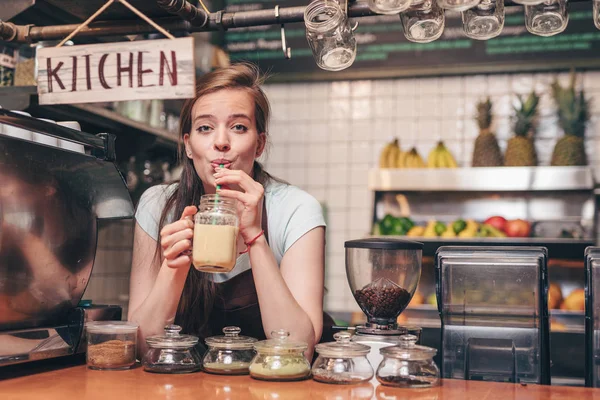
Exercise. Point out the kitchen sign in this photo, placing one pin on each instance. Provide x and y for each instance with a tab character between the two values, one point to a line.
138	70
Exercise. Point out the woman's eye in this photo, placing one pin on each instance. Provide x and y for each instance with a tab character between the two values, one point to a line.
240	128
203	128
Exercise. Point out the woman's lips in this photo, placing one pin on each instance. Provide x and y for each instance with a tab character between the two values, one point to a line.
218	163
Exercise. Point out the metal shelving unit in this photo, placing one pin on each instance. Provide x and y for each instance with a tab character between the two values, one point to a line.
131	135
468	183
496	179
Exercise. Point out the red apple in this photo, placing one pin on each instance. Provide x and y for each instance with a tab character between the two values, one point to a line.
517	228
497	222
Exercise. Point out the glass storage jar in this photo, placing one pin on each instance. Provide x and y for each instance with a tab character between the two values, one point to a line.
457	5
548	18
280	359
171	353
342	361
388	7
408	365
230	354
423	22
111	345
215	234
484	21
329	35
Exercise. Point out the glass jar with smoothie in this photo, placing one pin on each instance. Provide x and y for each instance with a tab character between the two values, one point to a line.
215	234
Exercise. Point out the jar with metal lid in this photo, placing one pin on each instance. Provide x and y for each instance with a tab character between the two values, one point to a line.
171	353
280	359
408	365
230	354
215	234
342	361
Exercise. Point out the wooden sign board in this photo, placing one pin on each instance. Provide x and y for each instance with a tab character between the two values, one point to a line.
138	70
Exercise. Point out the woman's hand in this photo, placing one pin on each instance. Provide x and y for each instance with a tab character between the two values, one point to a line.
249	199
176	240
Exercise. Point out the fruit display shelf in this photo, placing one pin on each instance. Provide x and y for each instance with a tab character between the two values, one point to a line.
568	249
492	179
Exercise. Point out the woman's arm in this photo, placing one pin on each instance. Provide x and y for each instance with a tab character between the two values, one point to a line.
155	288
291	296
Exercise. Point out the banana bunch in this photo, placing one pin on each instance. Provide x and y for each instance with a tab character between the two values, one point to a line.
416	231
390	155
449	232
440	157
411	159
470	230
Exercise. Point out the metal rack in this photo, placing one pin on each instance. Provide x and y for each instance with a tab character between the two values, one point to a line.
131	135
571	188
190	19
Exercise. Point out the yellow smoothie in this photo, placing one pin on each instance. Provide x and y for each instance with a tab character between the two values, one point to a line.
215	247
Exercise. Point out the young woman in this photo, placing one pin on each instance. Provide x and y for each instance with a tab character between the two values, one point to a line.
278	283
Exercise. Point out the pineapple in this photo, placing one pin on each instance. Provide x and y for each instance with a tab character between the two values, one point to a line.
573	115
520	150
486	152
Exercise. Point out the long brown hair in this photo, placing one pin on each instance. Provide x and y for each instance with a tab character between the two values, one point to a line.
198	294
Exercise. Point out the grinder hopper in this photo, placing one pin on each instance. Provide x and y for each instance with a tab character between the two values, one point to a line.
383	275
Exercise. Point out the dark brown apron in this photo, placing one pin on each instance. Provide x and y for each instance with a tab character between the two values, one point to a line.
236	304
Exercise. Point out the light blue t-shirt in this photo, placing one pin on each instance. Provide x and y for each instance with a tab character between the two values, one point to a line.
291	213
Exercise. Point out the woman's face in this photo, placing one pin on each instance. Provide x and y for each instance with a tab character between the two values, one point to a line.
223	131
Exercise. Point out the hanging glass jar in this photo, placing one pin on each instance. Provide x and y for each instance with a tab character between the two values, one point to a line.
329	35
423	22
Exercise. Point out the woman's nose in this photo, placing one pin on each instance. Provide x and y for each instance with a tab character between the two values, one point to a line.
222	142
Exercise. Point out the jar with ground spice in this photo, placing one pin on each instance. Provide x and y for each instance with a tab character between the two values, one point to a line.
230	354
171	353
342	362
280	359
408	365
111	344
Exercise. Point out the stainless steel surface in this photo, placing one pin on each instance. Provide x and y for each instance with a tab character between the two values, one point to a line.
40	343
55	130
50	200
482	179
10	8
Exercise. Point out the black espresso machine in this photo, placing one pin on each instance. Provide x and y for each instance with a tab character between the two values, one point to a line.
51	203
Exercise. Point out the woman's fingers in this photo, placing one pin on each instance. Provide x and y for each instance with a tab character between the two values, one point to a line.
176	238
180	262
184	222
189	211
170	240
178	248
237	177
176	226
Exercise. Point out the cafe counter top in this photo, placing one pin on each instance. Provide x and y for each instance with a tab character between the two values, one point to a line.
78	382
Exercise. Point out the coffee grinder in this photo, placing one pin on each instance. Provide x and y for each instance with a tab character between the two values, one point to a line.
383	275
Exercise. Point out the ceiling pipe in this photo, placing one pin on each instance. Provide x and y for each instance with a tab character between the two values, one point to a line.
220	20
27	33
185	10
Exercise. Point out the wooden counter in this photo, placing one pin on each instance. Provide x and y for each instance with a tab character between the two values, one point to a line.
78	382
